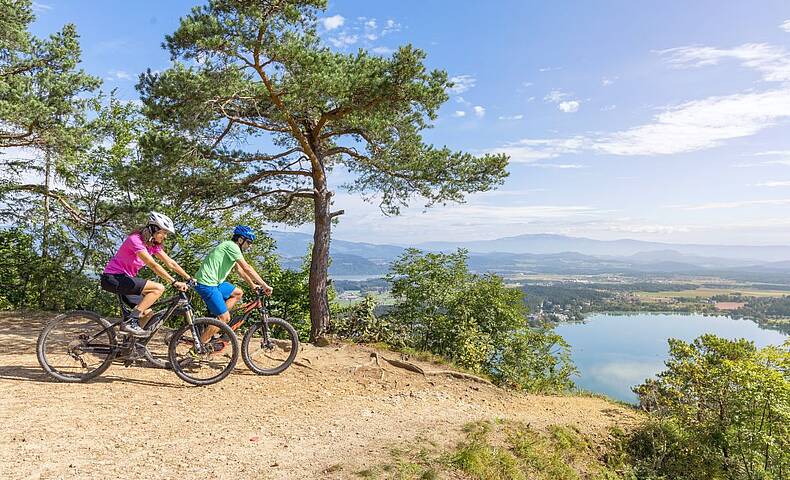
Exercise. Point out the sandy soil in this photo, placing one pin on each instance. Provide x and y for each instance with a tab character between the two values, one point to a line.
337	409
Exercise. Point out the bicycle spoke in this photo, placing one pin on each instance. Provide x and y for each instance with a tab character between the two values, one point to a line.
75	346
203	363
269	348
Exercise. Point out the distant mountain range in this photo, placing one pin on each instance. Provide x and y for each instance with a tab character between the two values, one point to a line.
547	244
560	254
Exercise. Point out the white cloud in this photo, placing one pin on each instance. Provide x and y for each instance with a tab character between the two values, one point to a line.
41	7
647	228
561	99
531	150
731	205
463	101
549	69
700	124
556	96
526	84
511	117
782	183
459	113
382	50
608	108
462	83
343	40
688	127
569	106
772	61
479	111
785	26
605	81
119	75
390	26
559	166
773	153
333	22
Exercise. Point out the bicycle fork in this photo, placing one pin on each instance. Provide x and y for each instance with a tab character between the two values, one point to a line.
198	346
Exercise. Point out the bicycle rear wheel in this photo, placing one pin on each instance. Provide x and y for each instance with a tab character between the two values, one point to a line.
76	346
270	347
212	361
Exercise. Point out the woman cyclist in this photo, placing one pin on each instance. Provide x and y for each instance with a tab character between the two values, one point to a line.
137	251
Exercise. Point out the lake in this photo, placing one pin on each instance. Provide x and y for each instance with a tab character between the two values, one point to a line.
614	352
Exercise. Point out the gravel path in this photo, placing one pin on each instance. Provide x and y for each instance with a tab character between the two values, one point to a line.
338	409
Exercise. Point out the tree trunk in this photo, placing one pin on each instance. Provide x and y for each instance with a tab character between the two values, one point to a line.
319	266
42	299
45	230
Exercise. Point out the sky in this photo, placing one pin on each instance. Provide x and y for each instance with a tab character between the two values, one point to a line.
663	121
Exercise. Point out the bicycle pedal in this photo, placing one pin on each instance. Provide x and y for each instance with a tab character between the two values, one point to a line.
128	363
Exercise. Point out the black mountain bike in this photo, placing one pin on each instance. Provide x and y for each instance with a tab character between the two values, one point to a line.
270	344
81	345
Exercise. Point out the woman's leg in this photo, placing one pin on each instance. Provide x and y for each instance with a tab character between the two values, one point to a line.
151	293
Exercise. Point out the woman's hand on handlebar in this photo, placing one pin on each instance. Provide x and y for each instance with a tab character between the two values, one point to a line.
180	286
266	290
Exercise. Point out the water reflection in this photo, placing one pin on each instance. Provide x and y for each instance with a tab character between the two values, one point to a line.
616	352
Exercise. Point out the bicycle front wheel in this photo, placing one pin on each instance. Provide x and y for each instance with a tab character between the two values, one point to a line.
203	363
270	347
76	346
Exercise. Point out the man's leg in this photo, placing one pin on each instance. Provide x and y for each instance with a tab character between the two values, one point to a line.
215	302
234	298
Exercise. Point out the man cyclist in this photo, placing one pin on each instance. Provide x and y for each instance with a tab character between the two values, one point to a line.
137	251
220	296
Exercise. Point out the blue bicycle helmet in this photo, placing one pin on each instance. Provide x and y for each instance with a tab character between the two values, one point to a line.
244	232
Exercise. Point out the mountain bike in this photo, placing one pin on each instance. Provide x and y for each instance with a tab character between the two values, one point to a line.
81	345
270	344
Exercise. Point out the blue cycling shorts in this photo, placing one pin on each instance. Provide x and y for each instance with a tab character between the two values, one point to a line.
215	297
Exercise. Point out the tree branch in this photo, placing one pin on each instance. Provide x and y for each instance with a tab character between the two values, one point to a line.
264	158
304	193
273	173
73	211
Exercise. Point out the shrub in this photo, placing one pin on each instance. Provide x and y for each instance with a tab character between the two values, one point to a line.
721	409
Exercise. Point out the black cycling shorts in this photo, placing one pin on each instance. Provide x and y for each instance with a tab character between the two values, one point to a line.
122	283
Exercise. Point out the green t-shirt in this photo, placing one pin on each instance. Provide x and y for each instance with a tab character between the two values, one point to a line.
218	264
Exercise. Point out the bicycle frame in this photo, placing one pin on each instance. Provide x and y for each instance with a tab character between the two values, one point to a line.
260	303
157	319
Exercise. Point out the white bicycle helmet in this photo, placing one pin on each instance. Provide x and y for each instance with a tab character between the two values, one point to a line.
162	221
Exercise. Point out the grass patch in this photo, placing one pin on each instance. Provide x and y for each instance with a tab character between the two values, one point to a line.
503	450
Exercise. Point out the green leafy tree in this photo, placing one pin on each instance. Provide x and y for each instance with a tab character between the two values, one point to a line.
476	321
42	93
258	112
721	409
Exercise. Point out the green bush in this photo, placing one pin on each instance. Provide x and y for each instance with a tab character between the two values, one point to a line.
536	360
475	321
721	409
359	323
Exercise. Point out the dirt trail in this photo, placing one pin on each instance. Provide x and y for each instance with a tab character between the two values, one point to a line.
145	423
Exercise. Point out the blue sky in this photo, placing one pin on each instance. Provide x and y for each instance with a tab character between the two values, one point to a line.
666	121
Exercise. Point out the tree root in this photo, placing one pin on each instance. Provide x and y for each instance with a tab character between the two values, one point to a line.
377	357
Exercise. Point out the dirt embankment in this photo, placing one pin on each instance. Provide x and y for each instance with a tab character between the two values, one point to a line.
337	409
